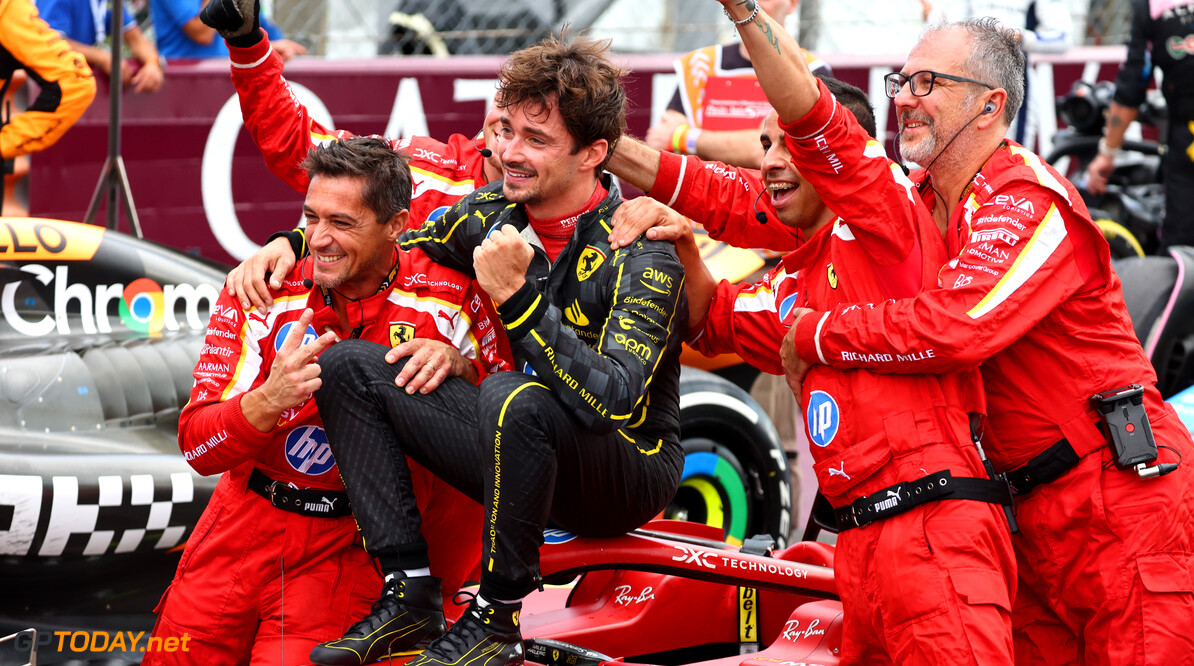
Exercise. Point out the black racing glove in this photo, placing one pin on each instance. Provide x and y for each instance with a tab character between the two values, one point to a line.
236	20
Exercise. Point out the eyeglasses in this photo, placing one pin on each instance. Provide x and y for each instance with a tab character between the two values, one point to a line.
922	82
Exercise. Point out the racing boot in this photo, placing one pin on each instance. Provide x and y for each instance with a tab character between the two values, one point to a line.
486	635
407	617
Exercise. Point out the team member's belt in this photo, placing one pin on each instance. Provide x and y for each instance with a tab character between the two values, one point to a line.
903	496
315	503
1048	465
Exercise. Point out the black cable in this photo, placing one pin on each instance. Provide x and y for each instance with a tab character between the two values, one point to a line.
760	215
920	189
1175	452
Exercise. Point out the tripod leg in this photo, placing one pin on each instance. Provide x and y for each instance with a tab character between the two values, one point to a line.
127	192
100	188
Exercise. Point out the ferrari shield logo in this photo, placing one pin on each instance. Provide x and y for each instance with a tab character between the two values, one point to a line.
591	259
401	331
832	274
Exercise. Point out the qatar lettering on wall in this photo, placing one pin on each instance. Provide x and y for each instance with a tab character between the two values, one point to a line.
199	182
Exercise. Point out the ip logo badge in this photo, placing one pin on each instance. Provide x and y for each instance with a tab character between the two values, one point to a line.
555	537
308	337
786	307
308	452
823	418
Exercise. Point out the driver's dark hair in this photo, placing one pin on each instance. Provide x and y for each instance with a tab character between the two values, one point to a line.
385	171
574	76
854	100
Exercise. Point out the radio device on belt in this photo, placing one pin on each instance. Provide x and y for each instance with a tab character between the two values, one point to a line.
1125	424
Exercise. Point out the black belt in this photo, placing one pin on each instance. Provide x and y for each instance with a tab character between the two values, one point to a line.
315	503
1048	465
903	496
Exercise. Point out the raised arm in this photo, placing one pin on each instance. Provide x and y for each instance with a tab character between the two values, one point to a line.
1017	265
779	63
233	406
722	198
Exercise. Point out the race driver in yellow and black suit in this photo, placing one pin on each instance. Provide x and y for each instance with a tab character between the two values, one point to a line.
67	87
589	433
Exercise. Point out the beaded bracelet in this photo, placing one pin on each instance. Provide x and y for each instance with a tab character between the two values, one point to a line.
680	138
746	20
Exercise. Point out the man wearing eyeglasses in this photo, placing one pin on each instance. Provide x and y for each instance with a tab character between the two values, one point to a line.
1104	549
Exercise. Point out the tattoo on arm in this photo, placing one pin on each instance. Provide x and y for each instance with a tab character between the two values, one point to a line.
1115	121
768	33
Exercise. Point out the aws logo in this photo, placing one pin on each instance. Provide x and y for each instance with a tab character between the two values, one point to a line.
143	307
657	277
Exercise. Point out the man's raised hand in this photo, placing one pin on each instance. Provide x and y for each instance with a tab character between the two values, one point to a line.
645	215
232	18
794	367
501	261
293	376
246	282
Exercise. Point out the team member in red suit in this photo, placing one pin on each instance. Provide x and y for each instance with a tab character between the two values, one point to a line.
275	564
1030	296
921	582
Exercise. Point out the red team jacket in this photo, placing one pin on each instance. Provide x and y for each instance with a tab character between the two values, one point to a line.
1030	294
283	129
857	421
424	300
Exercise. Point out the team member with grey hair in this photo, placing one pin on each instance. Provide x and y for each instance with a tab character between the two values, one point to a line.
1104	551
1045	27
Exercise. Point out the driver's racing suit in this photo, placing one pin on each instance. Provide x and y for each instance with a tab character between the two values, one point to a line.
589	433
931	585
285	132
1105	558
256	579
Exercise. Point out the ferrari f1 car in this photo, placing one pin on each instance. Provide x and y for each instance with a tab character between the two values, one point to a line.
99	335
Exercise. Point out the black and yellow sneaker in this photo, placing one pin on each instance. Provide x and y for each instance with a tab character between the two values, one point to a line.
407	617
484	636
